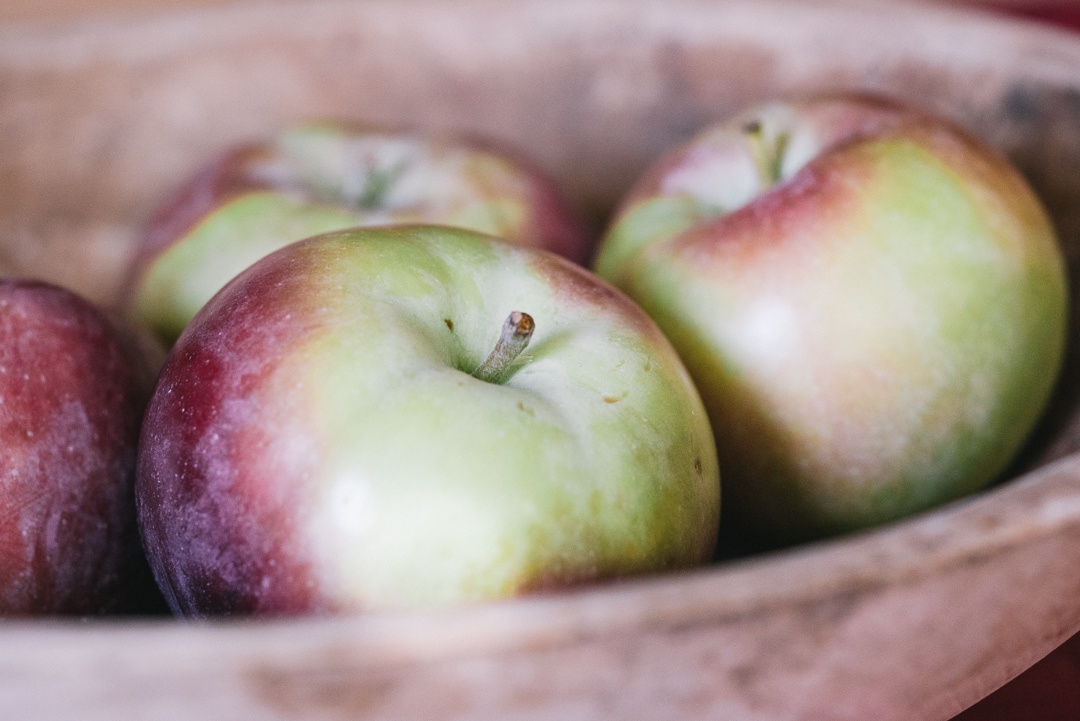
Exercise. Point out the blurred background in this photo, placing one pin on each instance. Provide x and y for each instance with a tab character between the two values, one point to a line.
1066	12
72	9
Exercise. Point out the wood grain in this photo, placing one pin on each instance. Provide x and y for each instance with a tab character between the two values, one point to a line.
80	10
914	621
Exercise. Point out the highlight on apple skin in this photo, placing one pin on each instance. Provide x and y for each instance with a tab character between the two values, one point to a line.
355	422
871	301
73	387
323	176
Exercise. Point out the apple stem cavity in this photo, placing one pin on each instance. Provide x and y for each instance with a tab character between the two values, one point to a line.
768	153
515	335
378	184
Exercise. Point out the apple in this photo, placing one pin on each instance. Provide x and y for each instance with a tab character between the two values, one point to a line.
871	301
73	387
326	176
1047	691
355	422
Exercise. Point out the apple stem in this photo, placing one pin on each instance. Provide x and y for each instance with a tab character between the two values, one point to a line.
515	335
768	153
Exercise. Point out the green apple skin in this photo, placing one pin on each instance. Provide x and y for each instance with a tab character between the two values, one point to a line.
874	334
325	176
317	443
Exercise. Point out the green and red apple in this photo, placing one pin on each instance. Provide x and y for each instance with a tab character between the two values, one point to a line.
871	301
417	416
319	177
73	387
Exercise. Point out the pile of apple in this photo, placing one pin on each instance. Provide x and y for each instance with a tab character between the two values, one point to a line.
391	382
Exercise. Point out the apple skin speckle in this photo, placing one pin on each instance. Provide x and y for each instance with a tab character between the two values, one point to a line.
72	391
232	528
317	444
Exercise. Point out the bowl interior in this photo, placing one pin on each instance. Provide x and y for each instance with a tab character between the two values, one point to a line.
99	121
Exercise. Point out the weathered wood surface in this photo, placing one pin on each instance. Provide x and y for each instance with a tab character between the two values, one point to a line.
914	621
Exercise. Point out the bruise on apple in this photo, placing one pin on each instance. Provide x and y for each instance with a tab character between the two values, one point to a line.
72	393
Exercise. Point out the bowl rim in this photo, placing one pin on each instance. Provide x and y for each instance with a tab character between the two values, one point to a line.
1035	505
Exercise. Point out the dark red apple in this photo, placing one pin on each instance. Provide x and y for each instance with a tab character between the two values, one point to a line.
73	388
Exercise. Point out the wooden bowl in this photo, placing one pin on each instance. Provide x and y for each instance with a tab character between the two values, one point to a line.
913	621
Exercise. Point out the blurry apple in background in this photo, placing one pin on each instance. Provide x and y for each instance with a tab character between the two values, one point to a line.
327	176
871	301
352	424
72	393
